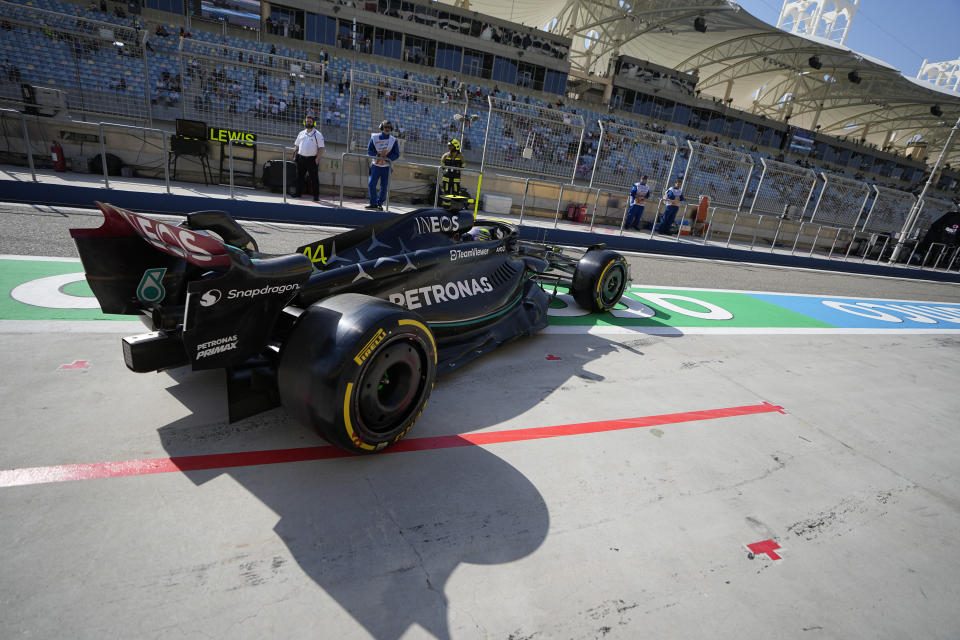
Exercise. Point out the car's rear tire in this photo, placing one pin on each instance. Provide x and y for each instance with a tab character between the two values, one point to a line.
357	369
600	279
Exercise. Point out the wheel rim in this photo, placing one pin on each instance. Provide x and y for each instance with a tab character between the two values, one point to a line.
391	386
612	286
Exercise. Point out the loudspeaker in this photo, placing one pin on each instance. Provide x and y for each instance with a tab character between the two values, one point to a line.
192	129
936	111
814	62
699	24
853	77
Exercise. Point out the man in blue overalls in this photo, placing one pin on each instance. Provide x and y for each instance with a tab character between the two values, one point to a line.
673	196
384	149
638	197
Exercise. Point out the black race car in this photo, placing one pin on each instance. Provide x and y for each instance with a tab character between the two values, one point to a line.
349	332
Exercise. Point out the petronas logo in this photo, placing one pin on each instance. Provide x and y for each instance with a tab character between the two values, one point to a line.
151	286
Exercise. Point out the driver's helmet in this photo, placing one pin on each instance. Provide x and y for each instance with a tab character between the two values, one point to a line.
480	234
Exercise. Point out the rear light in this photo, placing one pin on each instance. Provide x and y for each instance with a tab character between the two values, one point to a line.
153	352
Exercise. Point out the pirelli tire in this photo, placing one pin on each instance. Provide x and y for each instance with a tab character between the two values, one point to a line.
357	369
600	279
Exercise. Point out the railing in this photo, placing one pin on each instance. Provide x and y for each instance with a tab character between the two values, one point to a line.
283	160
103	150
739	227
396	163
26	141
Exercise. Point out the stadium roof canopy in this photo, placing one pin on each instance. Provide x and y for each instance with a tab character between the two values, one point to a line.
746	62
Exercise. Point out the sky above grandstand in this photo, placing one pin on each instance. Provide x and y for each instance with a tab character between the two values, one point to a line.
900	32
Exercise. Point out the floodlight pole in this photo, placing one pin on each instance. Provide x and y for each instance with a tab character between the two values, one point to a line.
915	209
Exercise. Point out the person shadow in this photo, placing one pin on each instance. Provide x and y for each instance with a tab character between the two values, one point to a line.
382	534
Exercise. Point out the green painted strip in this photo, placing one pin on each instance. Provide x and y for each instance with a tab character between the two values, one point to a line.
16	272
746	311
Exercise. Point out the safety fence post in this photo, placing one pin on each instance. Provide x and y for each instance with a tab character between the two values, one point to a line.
103	157
523	203
26	141
556	218
706	231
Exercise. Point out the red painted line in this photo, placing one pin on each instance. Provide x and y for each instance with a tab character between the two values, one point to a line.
77	364
123	468
768	547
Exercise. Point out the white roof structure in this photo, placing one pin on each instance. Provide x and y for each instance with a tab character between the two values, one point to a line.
760	68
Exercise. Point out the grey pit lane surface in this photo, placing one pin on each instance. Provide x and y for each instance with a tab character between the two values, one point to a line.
623	534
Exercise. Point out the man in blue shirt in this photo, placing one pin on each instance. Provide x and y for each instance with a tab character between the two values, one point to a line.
672	197
638	197
384	149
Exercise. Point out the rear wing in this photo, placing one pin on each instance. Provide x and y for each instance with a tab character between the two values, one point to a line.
215	301
134	263
195	247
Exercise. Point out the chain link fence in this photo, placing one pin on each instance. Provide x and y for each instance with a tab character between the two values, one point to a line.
424	116
841	201
784	189
720	174
889	210
532	139
240	89
624	154
57	63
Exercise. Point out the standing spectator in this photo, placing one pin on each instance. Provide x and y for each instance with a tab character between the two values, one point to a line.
673	197
638	198
308	149
384	149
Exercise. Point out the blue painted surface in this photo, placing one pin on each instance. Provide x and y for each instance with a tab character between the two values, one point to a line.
857	313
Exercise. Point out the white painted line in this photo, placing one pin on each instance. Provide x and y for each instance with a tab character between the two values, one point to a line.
46	293
38	258
817	296
120	327
739	331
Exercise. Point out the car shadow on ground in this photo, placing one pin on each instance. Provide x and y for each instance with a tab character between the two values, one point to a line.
382	534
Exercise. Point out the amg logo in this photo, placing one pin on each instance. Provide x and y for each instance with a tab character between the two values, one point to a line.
370	346
416	298
437	224
213	347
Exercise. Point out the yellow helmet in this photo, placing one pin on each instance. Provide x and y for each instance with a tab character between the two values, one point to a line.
455	144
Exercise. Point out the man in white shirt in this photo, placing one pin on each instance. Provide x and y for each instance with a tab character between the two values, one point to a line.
308	149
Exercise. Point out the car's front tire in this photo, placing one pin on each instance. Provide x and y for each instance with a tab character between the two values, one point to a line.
600	279
359	370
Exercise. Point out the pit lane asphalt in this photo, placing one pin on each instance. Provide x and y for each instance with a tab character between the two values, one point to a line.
620	534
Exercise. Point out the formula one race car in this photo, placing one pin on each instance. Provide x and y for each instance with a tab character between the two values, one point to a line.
348	333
